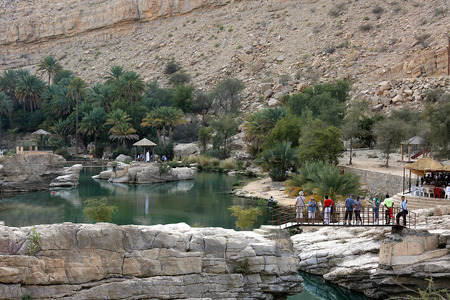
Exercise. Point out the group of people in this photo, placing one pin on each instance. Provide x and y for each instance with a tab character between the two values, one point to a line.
352	208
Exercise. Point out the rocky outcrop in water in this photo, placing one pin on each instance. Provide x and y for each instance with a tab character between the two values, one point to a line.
144	173
69	178
376	262
30	171
106	261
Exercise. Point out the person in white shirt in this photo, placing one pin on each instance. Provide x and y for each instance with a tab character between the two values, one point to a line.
299	206
447	191
403	211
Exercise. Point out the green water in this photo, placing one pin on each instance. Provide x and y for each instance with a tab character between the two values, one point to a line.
203	201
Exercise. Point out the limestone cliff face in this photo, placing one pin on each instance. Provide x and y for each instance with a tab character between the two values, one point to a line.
106	261
23	22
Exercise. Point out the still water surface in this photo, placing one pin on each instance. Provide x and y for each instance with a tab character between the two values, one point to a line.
204	201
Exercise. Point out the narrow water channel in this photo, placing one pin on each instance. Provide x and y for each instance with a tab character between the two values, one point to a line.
204	201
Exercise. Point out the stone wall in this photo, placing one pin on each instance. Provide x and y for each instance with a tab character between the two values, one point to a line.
106	261
379	183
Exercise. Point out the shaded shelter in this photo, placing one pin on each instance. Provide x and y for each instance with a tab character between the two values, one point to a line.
144	143
416	145
41	133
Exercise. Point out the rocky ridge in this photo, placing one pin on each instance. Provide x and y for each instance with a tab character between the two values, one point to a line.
275	47
106	261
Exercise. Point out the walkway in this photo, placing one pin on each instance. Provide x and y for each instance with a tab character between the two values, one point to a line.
286	217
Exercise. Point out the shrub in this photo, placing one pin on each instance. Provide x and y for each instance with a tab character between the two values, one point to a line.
378	10
284	79
228	164
440	11
336	10
98	210
63	153
330	49
365	27
179	78
245	217
242	267
164	169
34	244
433	95
171	67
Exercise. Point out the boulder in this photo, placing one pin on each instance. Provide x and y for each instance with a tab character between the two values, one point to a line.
185	150
123	158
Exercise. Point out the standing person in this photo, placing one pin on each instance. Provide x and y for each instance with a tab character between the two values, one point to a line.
327	205
388	204
312	205
357	209
376	209
447	191
272	201
349	203
299	206
403	211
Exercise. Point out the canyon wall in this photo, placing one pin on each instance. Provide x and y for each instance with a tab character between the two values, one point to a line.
106	261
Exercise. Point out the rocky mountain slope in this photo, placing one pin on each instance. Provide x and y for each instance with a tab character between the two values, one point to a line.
261	42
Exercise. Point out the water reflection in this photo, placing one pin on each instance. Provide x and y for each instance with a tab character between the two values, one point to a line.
98	209
201	202
246	218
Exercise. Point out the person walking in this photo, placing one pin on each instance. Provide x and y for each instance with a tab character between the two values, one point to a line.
312	206
376	209
388	204
299	206
327	206
357	209
403	211
349	203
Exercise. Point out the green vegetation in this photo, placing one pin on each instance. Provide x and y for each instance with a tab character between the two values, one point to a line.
245	217
98	210
34	242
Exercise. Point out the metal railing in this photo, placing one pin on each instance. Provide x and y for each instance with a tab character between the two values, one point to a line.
288	216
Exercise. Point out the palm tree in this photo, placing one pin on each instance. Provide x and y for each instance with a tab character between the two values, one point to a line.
117	116
114	74
131	86
57	101
123	132
164	119
77	89
6	106
279	160
8	82
101	94
49	65
28	90
324	179
92	123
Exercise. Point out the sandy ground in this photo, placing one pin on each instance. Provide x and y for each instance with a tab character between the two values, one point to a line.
371	160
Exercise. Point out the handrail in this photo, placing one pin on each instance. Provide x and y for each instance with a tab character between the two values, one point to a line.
287	216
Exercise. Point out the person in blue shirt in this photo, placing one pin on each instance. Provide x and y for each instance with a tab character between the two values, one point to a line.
349	204
312	206
403	211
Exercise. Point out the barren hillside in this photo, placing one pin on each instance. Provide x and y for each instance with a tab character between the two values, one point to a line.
401	44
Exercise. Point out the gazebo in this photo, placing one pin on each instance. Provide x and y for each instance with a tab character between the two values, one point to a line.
41	133
415	144
145	143
435	176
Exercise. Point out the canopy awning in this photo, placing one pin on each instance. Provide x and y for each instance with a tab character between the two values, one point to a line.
41	132
427	164
144	143
415	140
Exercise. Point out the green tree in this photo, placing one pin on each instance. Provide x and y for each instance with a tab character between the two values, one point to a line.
8	82
123	132
390	133
227	95
202	103
182	97
279	160
322	179
28	91
438	116
92	123
204	136
320	143
6	107
171	67
50	66
77	90
57	103
130	86
179	78
164	119
114	74
155	96
288	128
350	127
224	129
259	124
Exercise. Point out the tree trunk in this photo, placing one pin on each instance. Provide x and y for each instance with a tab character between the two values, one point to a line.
49	78
76	125
351	152
387	160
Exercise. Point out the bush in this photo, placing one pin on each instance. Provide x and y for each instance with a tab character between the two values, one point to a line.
98	210
433	95
228	164
330	49
337	10
207	163
242	267
440	11
171	67
167	150
34	244
284	79
365	27
63	153
179	78
378	10
186	133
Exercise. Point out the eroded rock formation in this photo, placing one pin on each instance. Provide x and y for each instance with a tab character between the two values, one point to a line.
106	261
30	171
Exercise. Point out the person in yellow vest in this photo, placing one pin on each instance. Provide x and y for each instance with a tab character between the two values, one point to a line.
388	205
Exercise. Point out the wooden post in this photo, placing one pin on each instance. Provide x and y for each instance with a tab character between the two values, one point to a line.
409	153
402	151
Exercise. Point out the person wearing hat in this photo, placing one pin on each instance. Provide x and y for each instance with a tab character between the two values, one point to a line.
299	206
312	206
